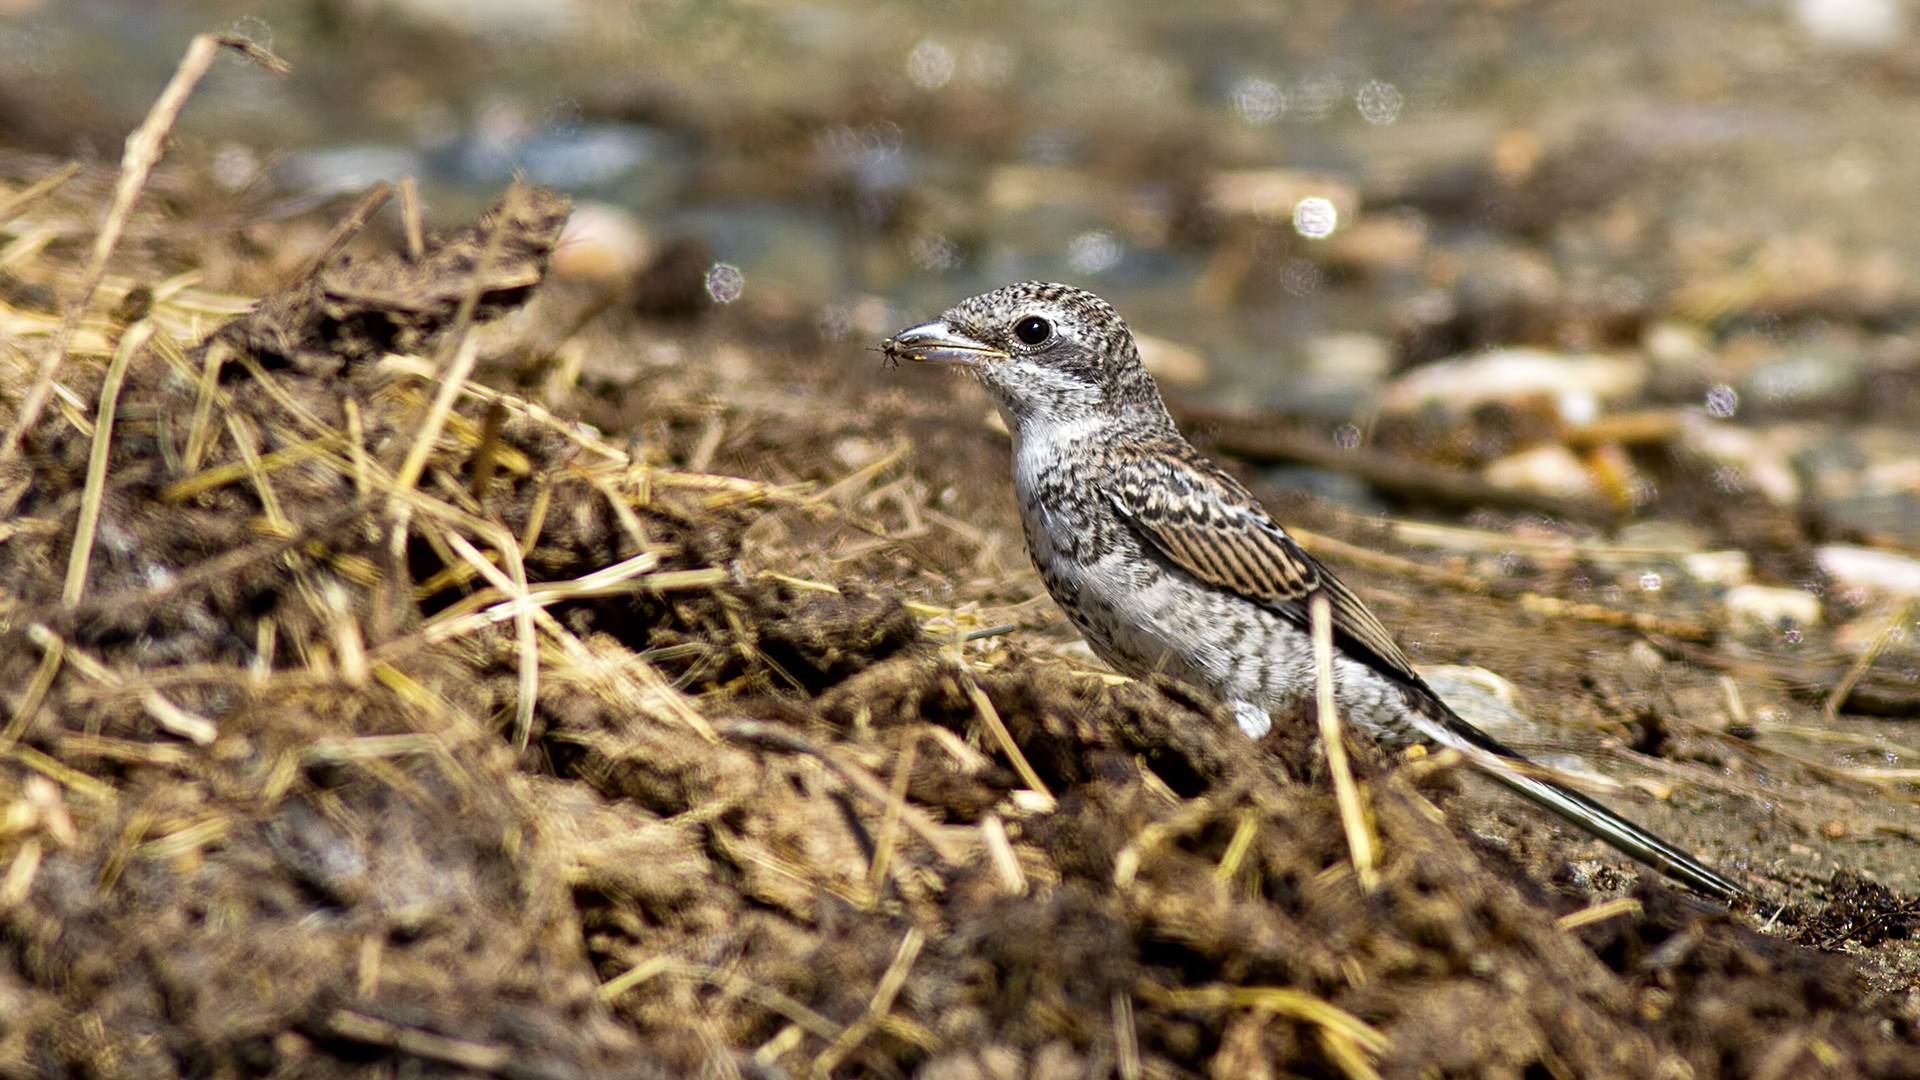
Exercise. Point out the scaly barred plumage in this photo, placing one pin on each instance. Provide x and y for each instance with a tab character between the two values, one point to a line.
1165	563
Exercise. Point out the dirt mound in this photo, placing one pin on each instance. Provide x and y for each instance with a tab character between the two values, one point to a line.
392	722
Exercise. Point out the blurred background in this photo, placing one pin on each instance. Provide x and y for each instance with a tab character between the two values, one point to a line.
1564	173
1696	204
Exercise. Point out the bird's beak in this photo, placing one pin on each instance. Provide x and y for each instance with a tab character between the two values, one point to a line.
938	343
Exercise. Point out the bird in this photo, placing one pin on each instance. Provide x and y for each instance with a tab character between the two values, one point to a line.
1165	563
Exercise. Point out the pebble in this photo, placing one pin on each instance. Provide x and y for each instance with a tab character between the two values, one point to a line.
1390	241
1578	384
601	243
1681	348
1805	378
1851	24
1730	568
1346	361
1870	568
1757	459
1549	469
1772	608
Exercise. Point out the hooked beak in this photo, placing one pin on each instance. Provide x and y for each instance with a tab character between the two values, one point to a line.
937	343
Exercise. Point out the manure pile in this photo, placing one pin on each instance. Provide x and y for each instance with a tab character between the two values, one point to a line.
387	724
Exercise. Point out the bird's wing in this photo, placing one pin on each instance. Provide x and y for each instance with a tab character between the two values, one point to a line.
1206	523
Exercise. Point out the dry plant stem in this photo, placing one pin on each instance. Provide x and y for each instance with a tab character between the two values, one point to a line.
1006	862
998	728
485	457
36	693
1625	905
877	1008
1831	709
22	201
1334	1025
410	218
889	836
83	531
529	650
781	738
451	377
458	353
142	153
1126	1036
478	1057
764	996
208	391
1353	816
344	231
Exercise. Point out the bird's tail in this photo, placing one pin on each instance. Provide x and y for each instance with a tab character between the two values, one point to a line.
1495	759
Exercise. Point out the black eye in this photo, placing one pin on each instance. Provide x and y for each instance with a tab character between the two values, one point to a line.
1033	329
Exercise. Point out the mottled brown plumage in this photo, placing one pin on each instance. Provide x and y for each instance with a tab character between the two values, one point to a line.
1167	564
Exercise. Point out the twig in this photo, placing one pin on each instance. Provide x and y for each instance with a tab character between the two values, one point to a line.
993	833
998	728
19	202
1587	916
782	738
1126	1036
1346	792
36	692
877	1008
764	996
889	836
89	519
208	391
1236	853
410	218
344	231
1352	1036
480	1057
459	351
1831	709
142	153
486	456
529	652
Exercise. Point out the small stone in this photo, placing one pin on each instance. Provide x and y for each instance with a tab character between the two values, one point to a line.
1833	830
1393	241
1675	346
1576	383
1851	24
1718	567
1772	608
1347	361
601	243
1870	568
1549	469
1756	459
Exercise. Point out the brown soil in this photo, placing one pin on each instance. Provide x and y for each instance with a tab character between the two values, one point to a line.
274	806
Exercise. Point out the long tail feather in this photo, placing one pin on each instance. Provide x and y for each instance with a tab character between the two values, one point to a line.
1490	755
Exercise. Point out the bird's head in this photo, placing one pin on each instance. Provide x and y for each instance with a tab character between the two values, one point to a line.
1047	353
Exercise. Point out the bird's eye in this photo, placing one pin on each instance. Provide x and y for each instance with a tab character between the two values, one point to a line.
1033	330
